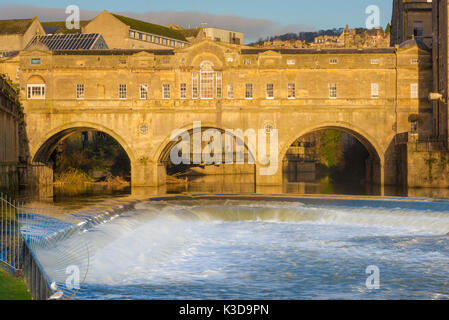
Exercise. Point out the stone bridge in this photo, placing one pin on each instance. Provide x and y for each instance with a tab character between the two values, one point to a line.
140	97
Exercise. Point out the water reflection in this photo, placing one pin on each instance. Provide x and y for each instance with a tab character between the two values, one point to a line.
221	184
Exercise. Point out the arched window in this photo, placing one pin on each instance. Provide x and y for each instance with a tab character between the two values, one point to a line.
36	88
207	80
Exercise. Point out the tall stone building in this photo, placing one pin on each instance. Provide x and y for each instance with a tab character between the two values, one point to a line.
440	68
411	19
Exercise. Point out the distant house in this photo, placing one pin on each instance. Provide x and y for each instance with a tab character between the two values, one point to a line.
17	33
215	34
122	32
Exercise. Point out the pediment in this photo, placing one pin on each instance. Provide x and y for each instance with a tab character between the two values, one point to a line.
270	54
37	46
206	50
143	54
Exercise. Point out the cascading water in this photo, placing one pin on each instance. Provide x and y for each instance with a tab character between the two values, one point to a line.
229	249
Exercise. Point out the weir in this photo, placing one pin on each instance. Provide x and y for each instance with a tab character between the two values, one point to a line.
26	232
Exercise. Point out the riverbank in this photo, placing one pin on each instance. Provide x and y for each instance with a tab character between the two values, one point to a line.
12	288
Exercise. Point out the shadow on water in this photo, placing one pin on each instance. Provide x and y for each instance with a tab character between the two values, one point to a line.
77	196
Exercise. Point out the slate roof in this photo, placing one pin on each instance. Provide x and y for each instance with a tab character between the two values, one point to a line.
15	26
318	51
115	52
143	26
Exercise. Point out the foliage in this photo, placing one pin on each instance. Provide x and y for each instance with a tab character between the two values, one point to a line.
88	157
330	148
72	176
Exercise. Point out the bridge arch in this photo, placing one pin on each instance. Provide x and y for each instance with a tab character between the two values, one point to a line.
163	151
376	152
46	145
369	142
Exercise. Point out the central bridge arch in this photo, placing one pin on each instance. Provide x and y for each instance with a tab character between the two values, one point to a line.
244	173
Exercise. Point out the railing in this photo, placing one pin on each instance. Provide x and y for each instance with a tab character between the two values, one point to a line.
16	254
11	241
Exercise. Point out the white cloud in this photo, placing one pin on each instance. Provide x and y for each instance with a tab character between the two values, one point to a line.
253	28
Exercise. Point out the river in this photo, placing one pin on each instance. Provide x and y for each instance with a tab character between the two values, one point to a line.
297	247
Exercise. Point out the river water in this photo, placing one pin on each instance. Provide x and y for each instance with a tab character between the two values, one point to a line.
310	248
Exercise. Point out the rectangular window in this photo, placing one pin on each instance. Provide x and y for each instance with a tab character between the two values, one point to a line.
374	61
165	91
291	91
80	91
36	91
157	40
374	90
249	91
36	61
418	29
122	91
132	34
247	61
270	91
183	91
333	90
207	85
179	44
164	41
291	62
414	61
219	85
149	38
414	91
195	85
333	61
172	43
230	91
140	36
143	92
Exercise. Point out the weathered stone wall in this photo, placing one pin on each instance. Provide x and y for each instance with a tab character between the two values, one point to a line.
428	165
9	136
405	14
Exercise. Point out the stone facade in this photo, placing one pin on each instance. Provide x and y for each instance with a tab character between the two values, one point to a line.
139	96
125	33
9	137
112	103
16	34
412	19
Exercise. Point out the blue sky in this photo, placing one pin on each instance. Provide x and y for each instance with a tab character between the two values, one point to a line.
283	15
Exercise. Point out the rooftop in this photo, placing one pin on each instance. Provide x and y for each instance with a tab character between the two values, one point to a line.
15	26
52	27
151	28
114	52
318	51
